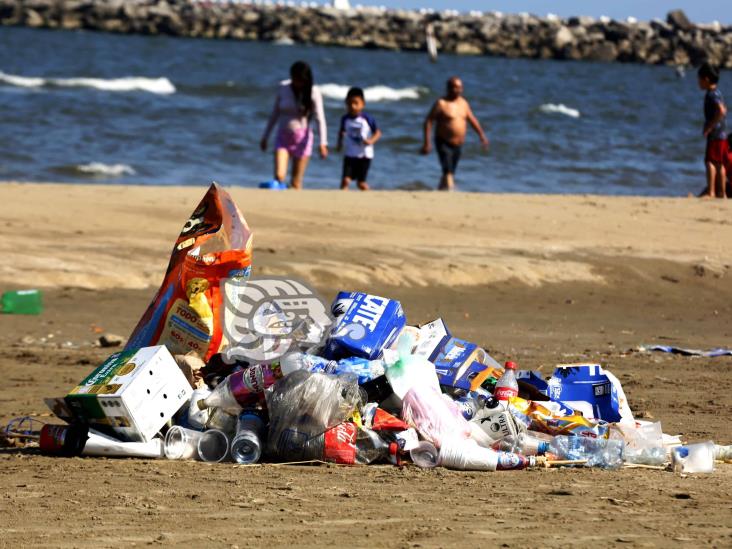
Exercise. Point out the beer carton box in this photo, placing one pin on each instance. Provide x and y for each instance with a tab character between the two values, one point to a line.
132	394
369	325
433	337
464	365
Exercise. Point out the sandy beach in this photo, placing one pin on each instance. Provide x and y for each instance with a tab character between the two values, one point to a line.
539	279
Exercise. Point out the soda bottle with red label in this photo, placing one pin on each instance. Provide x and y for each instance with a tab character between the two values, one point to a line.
241	389
347	444
507	386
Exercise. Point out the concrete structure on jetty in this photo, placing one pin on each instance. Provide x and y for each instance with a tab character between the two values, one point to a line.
675	41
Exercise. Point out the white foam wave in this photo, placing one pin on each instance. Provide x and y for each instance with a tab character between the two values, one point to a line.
372	93
161	86
559	108
108	170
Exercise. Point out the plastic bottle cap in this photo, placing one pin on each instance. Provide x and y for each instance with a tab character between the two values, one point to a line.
511	365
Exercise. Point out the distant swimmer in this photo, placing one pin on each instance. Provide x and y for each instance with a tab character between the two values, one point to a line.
298	101
715	130
451	115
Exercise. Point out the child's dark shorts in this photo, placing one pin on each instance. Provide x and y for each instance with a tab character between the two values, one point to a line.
716	151
448	154
356	168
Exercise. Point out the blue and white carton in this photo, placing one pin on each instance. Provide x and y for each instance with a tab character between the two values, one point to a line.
588	389
369	324
459	362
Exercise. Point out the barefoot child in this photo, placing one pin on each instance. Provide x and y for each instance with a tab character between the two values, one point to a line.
715	130
359	131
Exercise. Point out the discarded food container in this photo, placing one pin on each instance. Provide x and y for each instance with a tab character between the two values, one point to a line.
425	455
132	394
214	245
586	388
182	443
213	446
694	458
22	302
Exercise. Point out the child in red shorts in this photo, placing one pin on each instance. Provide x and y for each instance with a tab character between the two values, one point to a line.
715	130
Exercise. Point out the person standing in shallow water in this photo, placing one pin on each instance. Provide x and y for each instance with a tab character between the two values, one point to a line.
298	100
715	130
451	115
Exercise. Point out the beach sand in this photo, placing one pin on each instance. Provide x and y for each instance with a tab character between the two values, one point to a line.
539	279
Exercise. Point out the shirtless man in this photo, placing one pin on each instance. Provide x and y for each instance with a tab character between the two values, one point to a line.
451	114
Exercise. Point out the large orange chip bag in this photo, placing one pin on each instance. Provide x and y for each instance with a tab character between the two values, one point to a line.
186	313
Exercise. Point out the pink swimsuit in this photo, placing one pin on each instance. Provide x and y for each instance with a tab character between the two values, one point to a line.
293	130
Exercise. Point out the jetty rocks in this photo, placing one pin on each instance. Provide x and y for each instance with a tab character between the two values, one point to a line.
675	41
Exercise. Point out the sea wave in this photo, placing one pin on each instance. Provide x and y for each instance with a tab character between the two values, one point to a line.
99	169
161	86
373	93
559	108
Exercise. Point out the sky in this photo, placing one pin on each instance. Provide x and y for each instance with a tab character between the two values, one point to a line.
698	10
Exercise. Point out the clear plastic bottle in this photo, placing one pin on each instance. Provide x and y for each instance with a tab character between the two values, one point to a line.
246	447
507	386
364	369
240	389
524	443
599	452
303	361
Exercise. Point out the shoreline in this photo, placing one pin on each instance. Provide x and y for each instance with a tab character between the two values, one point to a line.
675	41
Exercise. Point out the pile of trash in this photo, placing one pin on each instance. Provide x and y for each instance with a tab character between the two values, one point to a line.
221	369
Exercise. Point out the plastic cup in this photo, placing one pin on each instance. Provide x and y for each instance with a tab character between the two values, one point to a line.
182	443
466	455
213	446
425	455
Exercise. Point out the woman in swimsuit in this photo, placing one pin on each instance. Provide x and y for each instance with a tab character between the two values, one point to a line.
297	102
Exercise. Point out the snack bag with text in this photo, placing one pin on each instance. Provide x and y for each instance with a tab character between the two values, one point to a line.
186	313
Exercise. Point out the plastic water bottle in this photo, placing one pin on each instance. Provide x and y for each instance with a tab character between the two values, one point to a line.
599	452
240	389
507	386
246	447
22	302
524	443
364	369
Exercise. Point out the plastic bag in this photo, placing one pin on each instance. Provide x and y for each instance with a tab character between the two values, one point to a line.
436	417
185	314
302	406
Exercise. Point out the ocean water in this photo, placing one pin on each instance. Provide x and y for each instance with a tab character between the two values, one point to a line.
81	106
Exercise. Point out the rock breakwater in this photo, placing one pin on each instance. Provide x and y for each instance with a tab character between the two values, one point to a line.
674	41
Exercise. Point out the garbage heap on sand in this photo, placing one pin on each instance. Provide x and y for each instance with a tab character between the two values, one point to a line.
226	367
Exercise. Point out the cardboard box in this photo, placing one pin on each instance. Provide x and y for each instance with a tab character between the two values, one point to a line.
464	365
433	337
132	394
370	324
